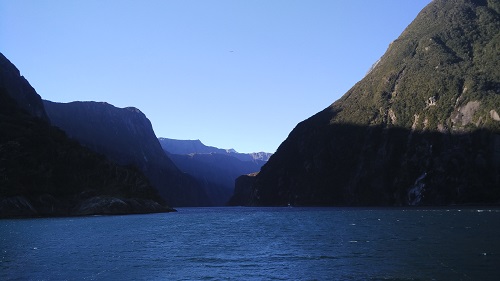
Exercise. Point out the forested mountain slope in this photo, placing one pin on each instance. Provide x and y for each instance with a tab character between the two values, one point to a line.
421	128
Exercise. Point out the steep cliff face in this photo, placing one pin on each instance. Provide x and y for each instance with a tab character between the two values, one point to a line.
215	168
126	135
44	173
242	190
421	128
20	89
123	134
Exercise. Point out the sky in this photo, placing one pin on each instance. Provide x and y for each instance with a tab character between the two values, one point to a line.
232	73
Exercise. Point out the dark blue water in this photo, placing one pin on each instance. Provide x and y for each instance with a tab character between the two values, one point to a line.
257	244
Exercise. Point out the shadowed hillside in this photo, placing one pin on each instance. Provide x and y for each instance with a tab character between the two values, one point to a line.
43	173
422	128
126	136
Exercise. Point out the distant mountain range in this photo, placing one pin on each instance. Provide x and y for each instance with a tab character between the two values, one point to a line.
44	173
197	147
215	167
422	128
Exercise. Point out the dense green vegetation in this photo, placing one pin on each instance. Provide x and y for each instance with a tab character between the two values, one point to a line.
421	128
449	55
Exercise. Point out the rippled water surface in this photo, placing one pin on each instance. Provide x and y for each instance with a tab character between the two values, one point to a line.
257	244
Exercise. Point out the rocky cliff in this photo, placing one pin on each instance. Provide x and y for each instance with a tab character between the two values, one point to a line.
422	128
242	194
20	90
44	173
126	136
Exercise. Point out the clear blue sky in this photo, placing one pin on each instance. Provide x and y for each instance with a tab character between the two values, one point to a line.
232	73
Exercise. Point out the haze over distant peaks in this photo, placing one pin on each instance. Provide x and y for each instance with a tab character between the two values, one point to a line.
214	167
175	146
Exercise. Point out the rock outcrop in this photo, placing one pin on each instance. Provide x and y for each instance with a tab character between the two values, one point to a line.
419	129
105	205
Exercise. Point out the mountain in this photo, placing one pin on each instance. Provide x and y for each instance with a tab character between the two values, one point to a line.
189	146
421	128
215	168
20	90
126	136
44	173
242	194
197	147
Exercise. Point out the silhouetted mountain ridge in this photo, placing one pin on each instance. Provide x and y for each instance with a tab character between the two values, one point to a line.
44	173
126	135
20	90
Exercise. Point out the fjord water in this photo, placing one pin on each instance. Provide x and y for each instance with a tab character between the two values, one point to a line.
257	244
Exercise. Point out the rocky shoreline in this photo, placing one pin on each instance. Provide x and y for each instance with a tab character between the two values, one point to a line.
48	206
